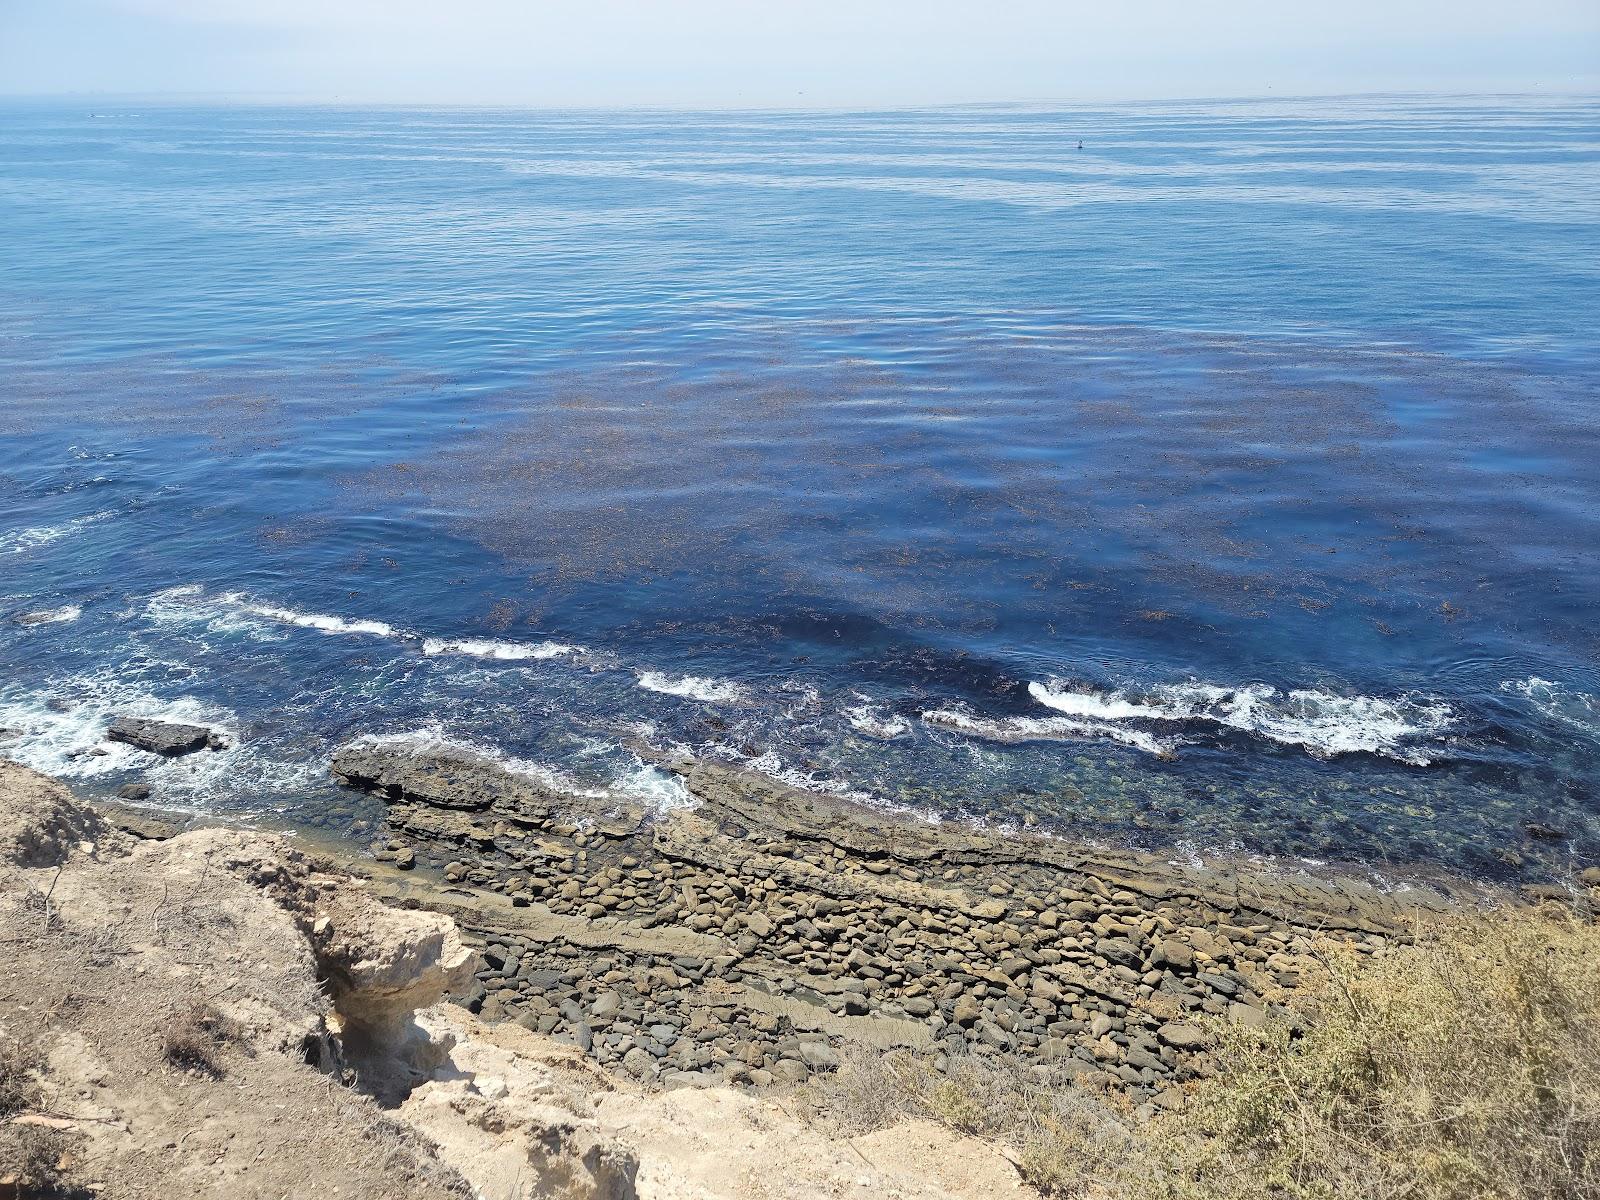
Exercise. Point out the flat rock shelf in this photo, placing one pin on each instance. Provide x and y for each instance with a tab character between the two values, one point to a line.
749	938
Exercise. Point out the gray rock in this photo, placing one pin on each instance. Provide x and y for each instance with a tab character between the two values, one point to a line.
164	737
1224	984
1119	951
819	1056
1174	954
1181	1036
639	1063
789	1070
1247	1015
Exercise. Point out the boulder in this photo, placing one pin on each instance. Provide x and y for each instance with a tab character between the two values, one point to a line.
168	738
1182	1036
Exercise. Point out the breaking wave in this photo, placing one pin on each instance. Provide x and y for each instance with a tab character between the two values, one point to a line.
875	722
1324	724
1556	702
693	687
504	651
49	616
60	729
19	541
1043	729
318	621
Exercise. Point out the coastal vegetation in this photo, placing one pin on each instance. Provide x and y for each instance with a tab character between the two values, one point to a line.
937	1011
1465	1064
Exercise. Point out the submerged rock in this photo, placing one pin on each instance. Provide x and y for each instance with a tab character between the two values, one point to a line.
167	738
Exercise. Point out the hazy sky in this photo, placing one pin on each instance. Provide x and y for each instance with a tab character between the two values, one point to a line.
822	52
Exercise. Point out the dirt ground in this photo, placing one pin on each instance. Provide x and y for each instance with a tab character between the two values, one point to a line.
213	1016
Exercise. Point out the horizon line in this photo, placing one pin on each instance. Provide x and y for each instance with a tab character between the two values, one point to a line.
316	100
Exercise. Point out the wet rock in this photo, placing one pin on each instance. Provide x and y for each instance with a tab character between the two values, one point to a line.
167	738
134	791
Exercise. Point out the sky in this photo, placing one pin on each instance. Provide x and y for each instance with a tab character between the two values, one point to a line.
721	53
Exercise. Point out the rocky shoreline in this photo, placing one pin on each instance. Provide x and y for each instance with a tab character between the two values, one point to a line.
753	937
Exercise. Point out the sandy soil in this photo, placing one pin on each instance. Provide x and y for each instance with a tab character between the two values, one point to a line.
220	1015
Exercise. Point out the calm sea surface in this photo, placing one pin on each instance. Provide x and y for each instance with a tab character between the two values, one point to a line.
1231	481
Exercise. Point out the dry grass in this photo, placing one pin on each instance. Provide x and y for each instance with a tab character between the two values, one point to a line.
31	1158
1064	1139
1463	1067
19	1088
193	1040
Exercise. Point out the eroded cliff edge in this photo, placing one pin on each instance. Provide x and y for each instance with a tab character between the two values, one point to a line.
219	1013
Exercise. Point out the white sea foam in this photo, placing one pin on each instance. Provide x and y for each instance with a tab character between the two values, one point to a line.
693	687
875	722
188	605
319	621
19	541
1557	702
505	651
1324	724
1045	729
659	790
61	729
770	765
233	612
49	616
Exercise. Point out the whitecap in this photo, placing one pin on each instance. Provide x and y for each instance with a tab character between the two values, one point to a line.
1555	701
187	604
1324	724
319	621
504	651
1327	725
693	687
19	541
1044	729
49	616
875	722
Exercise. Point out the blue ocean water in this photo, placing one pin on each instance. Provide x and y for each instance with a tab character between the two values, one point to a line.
1231	481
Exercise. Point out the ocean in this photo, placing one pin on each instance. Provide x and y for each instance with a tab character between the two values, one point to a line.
1228	484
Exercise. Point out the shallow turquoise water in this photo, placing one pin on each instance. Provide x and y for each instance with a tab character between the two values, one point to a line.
1232	481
